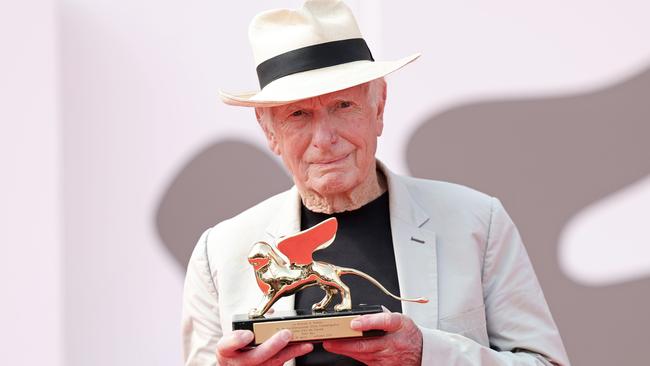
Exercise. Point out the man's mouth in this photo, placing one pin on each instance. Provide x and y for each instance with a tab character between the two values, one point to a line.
330	160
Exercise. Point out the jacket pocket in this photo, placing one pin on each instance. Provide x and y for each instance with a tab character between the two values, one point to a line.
470	323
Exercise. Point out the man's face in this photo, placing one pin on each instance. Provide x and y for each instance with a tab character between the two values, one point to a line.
328	142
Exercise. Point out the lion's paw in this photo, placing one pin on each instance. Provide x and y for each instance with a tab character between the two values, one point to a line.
254	313
342	307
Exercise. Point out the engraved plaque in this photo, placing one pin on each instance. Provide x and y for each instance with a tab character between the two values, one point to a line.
307	325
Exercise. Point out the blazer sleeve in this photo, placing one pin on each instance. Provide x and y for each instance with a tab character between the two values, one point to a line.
200	319
519	324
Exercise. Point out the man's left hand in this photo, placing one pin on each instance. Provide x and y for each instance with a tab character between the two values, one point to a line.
401	345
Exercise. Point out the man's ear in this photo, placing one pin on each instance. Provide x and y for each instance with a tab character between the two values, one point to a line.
264	120
381	102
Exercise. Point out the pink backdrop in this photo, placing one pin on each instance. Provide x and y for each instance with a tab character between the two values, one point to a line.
114	149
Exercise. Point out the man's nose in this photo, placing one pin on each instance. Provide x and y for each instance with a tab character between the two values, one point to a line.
325	134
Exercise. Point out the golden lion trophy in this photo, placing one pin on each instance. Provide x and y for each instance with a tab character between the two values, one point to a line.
287	268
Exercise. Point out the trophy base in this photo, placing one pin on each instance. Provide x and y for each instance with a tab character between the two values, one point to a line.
307	325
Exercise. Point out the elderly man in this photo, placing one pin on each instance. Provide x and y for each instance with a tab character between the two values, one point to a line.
321	108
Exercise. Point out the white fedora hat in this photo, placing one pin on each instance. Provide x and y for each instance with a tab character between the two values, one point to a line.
307	52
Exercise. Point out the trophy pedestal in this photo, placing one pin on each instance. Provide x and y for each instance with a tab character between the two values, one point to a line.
307	325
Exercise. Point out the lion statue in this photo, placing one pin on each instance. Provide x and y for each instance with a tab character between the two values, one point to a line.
290	268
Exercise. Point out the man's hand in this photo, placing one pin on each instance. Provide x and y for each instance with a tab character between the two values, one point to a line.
275	351
402	344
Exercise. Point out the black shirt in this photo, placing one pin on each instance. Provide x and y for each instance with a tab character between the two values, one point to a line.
363	242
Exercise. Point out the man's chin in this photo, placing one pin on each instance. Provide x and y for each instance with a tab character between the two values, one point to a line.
331	185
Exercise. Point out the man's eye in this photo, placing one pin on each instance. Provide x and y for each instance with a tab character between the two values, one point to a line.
298	113
345	104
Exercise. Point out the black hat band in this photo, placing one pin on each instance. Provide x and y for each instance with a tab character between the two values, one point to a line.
313	57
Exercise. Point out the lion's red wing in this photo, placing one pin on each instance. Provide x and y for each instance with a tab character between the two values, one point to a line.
300	246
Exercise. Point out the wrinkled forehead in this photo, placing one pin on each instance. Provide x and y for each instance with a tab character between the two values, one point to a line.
358	93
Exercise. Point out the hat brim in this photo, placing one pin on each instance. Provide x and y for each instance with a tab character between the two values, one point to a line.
316	82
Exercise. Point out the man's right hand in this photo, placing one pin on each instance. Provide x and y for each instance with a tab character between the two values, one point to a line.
275	351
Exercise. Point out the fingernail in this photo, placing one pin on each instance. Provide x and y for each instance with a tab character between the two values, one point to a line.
286	335
356	323
245	336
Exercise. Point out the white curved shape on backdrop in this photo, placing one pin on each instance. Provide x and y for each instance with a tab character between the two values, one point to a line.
607	242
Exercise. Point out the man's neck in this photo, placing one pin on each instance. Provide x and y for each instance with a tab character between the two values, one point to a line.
374	186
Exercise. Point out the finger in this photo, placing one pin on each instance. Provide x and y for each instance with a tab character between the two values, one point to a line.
291	352
389	322
355	346
230	344
269	348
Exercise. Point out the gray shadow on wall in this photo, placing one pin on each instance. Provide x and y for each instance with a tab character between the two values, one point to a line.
221	181
547	159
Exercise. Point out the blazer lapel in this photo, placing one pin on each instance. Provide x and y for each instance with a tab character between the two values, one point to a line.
415	252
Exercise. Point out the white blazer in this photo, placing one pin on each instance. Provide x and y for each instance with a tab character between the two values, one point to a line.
453	245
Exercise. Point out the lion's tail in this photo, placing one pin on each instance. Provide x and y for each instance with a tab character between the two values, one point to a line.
344	271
